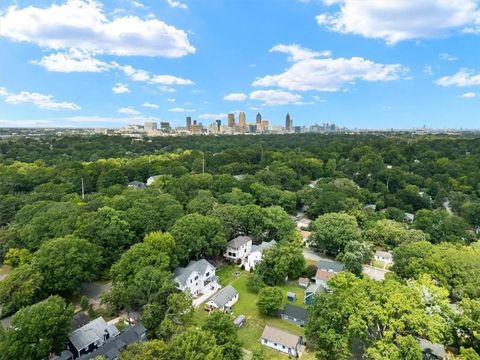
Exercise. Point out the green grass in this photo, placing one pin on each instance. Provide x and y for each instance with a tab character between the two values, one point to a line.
250	333
378	264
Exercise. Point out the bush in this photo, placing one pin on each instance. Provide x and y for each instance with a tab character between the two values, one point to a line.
255	283
309	271
84	303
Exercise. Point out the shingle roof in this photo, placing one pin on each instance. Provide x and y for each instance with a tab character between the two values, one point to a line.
95	330
314	288
264	245
113	346
182	273
295	312
330	265
384	254
280	337
239	241
224	296
324	275
428	347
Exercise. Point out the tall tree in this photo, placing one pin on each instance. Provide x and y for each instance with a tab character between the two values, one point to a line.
269	300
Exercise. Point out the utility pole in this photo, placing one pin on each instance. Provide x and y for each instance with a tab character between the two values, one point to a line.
83	190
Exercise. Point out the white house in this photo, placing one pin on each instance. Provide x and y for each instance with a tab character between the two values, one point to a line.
224	299
384	256
255	255
303	223
239	248
281	340
197	277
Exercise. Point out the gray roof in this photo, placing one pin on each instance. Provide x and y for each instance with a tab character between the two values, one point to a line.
94	331
384	254
314	288
239	319
182	273
330	265
137	184
264	245
280	337
114	346
438	350
239	241
295	312
224	296
65	355
79	319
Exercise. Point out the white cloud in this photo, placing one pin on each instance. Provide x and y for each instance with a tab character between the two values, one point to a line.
150	105
179	109
395	21
171	99
82	24
469	95
235	97
166	89
212	116
428	70
135	74
120	88
72	61
464	77
297	52
170	80
447	57
3	91
275	97
39	100
129	111
329	74
177	4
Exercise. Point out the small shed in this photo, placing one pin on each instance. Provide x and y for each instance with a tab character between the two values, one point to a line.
303	282
291	296
239	320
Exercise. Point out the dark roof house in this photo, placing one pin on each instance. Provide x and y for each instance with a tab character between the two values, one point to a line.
226	297
330	265
431	350
295	314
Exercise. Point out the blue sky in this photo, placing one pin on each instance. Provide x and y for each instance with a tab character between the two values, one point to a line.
371	63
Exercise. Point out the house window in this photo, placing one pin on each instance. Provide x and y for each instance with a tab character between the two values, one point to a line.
275	344
196	277
207	274
283	347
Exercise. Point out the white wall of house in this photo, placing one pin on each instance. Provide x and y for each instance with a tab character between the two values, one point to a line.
196	281
252	260
239	253
280	347
228	304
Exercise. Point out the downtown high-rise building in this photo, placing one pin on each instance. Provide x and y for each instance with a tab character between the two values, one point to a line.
150	125
288	122
219	124
189	122
258	119
231	120
242	120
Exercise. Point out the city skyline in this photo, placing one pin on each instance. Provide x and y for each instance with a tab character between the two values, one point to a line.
92	63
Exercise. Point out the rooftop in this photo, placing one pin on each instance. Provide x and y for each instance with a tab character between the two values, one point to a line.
224	296
239	241
384	254
92	332
280	337
264	245
324	275
428	347
295	312
330	265
182	273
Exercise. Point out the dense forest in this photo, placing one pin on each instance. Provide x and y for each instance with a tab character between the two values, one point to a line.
69	216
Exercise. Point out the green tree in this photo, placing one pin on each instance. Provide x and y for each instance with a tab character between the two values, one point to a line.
389	233
37	330
193	344
66	262
441	226
333	231
20	288
255	283
178	315
467	324
111	177
198	236
17	257
148	350
221	326
236	197
203	203
355	254
269	300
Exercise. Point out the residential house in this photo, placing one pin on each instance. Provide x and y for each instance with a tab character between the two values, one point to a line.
152	179
330	265
322	277
303	223
281	340
239	248
112	348
91	336
312	290
255	255
197	277
408	217
136	185
431	351
295	314
224	299
384	256
372	207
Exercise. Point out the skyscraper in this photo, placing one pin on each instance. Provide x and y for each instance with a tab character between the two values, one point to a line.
259	118
231	120
189	122
265	125
150	126
219	124
288	122
242	119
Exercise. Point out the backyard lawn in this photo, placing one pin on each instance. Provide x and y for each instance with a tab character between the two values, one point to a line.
250	333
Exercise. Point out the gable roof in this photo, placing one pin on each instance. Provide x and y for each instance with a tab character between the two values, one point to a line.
324	275
182	273
295	312
264	245
224	296
280	337
384	254
314	288
113	346
330	265
94	331
438	350
239	241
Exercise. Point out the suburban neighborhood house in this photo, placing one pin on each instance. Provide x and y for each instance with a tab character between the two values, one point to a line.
330	265
239	248
223	300
295	314
384	256
311	291
431	350
281	340
322	277
197	277
91	336
255	255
